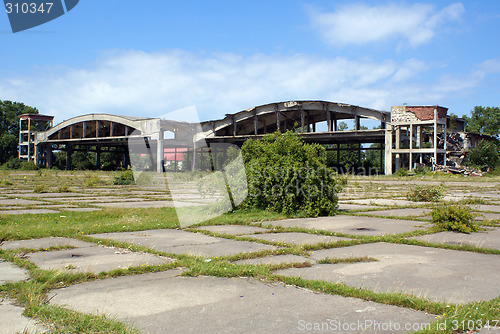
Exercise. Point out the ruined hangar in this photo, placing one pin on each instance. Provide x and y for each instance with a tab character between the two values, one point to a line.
408	135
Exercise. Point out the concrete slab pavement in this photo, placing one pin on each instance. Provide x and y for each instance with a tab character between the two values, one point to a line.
164	302
278	259
233	229
44	243
13	321
406	212
183	242
431	273
296	238
357	225
488	239
94	259
10	273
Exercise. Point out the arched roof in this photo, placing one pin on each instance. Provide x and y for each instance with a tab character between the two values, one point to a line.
265	116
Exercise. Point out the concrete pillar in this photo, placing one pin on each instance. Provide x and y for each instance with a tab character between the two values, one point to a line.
302	120
193	167
388	151
159	152
410	163
329	120
48	151
398	146
255	123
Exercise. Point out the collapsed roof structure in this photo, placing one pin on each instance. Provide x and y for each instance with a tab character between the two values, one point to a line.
408	136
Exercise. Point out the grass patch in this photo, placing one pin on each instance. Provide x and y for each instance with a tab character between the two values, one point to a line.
40	188
425	193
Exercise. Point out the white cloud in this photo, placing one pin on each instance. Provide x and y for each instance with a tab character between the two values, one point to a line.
137	83
360	24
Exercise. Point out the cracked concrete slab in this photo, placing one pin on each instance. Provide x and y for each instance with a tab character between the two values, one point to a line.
19	201
383	201
407	212
486	207
94	259
488	239
44	243
296	238
81	209
356	225
13	321
27	211
145	204
165	302
183	242
10	273
276	259
355	207
484	216
431	273
233	229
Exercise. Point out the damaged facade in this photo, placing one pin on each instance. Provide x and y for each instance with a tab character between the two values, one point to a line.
407	137
427	136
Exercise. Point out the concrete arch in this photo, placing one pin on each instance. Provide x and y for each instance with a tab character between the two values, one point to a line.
104	124
282	116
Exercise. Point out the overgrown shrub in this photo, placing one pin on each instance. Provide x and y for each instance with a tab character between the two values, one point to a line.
28	165
124	178
40	188
92	181
401	172
485	155
422	170
12	163
425	193
457	218
286	175
63	189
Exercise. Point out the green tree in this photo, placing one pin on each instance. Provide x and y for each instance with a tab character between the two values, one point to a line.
485	155
484	120
9	127
287	175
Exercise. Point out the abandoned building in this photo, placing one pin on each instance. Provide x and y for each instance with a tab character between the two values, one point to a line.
408	136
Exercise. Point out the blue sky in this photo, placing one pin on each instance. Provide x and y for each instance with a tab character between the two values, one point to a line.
148	58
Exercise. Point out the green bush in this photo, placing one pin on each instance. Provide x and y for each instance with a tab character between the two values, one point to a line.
455	218
485	155
92	181
401	172
422	170
286	175
40	188
28	165
12	163
425	193
63	189
124	178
